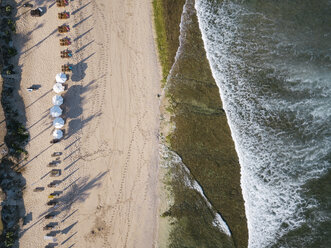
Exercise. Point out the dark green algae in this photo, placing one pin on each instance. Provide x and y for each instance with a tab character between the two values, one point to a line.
202	139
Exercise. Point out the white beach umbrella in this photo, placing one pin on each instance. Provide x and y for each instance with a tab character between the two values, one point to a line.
58	88
57	100
57	134
56	111
61	78
58	122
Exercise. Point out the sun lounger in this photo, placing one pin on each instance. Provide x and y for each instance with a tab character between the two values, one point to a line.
63	29
62	3
28	5
55	154
39	189
50	216
36	12
55	173
54	184
63	15
65	42
52	202
53	141
56	193
53	163
48	227
66	68
66	54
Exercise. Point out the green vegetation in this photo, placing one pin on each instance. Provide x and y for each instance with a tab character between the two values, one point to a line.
167	14
17	135
8	10
11	181
161	38
10	239
11	51
9	71
11	25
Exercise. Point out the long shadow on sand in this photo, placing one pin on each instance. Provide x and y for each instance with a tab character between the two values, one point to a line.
79	9
45	94
78	192
83	20
39	42
83	47
83	34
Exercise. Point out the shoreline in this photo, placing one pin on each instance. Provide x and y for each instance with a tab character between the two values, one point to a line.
195	128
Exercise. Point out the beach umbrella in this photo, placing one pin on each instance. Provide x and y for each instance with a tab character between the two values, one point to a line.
57	100
58	88
58	122
56	111
57	134
61	78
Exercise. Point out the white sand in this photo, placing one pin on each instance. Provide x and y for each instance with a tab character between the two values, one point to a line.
110	151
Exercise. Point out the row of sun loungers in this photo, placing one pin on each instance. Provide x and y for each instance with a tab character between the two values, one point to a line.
53	197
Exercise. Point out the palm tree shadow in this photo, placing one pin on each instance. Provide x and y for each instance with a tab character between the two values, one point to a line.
39	42
78	192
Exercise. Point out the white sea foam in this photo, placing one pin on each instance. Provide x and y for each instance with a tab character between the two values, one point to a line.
281	136
168	159
184	20
218	221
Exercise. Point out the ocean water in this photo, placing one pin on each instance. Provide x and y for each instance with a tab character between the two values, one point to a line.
272	62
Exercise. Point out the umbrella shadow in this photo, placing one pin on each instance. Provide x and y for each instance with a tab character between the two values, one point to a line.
78	70
78	123
73	109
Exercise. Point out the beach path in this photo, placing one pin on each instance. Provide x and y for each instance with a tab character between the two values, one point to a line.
108	187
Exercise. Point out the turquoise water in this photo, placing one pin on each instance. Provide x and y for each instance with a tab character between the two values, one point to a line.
272	62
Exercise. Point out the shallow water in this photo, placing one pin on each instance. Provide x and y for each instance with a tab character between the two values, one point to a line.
272	60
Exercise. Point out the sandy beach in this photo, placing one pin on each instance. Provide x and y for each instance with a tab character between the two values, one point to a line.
108	187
